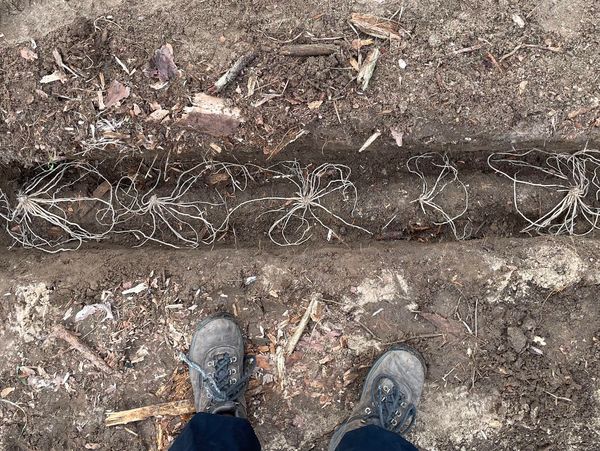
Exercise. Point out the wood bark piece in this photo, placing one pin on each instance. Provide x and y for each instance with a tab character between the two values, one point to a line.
60	332
173	408
211	115
368	67
378	27
308	49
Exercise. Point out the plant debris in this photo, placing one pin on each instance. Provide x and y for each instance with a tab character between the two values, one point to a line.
309	49
116	92
162	64
377	27
233	72
91	309
368	67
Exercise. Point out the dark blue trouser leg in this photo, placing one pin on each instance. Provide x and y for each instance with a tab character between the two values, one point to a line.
374	438
208	432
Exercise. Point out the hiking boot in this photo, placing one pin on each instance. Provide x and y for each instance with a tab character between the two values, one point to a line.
390	395
218	371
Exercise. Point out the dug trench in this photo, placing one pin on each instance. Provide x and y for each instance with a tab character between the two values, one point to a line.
508	322
413	197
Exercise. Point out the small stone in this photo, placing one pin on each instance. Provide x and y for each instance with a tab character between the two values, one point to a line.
517	338
518	20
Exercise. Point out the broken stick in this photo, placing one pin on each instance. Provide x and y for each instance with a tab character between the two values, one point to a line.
291	345
62	333
172	408
233	72
308	49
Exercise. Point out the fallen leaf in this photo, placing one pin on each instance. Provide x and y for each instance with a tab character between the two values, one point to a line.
6	391
162	64
28	54
252	83
262	362
315	105
92	446
116	92
57	75
378	27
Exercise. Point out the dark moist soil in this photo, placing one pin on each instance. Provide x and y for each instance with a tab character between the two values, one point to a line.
386	207
509	330
541	94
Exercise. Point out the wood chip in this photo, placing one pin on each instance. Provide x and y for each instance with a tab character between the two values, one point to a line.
308	49
57	75
315	105
368	67
357	44
370	141
27	54
378	27
116	92
211	115
157	116
173	408
398	136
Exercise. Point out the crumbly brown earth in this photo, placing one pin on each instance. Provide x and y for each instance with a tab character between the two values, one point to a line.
462	87
509	327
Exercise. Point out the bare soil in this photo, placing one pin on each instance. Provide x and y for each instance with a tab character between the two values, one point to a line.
545	93
509	329
508	323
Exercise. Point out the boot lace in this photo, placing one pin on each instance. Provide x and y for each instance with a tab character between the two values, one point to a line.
223	384
389	408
